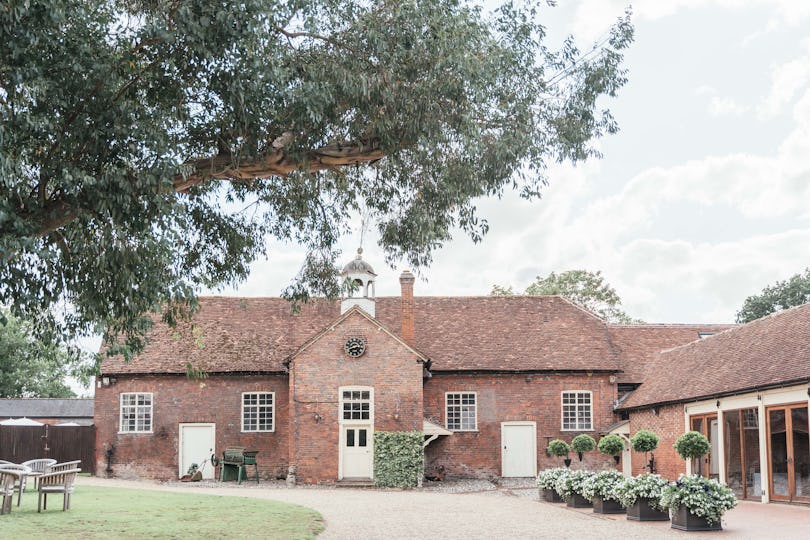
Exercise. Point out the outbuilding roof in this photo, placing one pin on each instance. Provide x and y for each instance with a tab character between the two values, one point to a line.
46	408
489	333
768	352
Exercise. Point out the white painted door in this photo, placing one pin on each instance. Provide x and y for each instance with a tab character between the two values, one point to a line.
518	449
356	450
197	442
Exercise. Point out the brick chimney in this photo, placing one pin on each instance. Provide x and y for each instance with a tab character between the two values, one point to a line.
406	280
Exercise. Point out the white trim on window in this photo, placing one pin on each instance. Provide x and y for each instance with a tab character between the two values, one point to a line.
464	415
576	410
135	412
355	404
259	414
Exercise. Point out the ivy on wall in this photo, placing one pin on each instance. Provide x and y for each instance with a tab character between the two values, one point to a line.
399	458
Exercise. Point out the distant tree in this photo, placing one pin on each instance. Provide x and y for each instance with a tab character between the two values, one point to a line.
31	368
586	289
794	291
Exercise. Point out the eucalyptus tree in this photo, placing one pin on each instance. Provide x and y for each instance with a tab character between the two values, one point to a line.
149	147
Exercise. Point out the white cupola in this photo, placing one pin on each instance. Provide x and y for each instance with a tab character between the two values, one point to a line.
362	275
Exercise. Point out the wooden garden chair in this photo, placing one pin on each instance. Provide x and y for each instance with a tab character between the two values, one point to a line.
22	476
67	465
63	482
38	467
8	478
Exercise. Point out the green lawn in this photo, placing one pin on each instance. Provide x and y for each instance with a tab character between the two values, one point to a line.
98	512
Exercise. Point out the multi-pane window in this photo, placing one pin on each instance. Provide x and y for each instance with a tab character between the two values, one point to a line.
356	404
577	411
257	411
136	412
461	411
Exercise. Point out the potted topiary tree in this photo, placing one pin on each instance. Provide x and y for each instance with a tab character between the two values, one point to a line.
645	441
546	481
559	448
611	445
583	443
600	490
641	495
696	503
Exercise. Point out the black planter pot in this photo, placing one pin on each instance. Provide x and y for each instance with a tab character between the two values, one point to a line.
567	462
642	511
580	455
550	495
684	520
607	506
578	501
616	459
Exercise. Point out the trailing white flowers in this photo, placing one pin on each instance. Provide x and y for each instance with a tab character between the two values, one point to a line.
572	483
602	485
703	497
548	477
646	486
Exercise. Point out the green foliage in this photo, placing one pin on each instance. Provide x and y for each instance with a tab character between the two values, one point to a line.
558	448
148	149
792	292
612	445
583	443
399	459
603	485
692	445
645	486
703	497
32	368
644	441
586	289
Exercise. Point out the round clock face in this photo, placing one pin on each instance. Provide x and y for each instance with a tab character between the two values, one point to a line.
355	347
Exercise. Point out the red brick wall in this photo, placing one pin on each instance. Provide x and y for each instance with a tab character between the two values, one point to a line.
177	399
319	371
512	397
668	424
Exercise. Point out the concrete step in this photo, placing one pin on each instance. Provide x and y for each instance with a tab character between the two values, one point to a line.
355	483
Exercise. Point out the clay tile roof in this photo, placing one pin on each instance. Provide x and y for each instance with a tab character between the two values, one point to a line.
638	344
767	352
456	333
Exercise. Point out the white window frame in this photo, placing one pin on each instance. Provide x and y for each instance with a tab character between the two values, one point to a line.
460	405
258	409
341	401
576	410
138	411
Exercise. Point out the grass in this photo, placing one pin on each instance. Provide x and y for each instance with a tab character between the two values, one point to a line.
100	512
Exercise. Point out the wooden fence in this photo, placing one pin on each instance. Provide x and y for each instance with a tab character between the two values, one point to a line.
62	443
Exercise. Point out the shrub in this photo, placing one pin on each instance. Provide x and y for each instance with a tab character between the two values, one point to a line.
572	483
583	443
558	448
548	477
603	485
692	445
646	486
644	441
399	458
611	445
703	497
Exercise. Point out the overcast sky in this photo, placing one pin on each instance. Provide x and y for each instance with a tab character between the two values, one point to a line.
701	199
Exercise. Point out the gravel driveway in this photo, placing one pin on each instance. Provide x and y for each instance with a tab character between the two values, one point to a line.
502	512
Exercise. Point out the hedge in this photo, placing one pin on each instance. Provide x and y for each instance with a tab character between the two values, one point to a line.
399	458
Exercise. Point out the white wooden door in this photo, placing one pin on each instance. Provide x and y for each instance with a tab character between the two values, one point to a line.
197	442
518	449
356	450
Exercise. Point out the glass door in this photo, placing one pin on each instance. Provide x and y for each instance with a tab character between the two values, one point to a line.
707	465
789	452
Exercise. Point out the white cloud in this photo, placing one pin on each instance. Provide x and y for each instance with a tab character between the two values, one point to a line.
726	106
787	81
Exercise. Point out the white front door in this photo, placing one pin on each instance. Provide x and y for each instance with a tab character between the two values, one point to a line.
356	450
518	449
197	442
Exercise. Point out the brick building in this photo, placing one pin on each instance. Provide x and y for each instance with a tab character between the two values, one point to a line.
489	380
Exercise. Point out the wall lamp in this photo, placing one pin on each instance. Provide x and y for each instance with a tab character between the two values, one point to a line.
317	417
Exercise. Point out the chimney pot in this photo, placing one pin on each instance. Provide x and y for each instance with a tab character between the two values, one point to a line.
406	280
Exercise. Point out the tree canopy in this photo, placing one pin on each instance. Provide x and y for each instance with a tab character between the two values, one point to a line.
584	288
148	147
31	368
791	292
